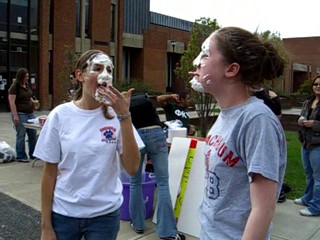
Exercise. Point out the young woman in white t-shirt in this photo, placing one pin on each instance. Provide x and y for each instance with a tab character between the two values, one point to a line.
81	193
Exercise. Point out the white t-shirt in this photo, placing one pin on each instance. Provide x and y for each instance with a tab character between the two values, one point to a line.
85	145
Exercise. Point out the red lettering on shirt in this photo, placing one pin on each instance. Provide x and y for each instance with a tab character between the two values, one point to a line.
226	154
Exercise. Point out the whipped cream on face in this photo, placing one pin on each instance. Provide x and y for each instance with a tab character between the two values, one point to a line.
196	85
105	77
198	63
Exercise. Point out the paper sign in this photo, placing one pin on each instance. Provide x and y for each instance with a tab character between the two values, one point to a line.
188	220
176	161
185	177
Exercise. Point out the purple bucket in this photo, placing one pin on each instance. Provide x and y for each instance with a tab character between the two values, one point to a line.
148	187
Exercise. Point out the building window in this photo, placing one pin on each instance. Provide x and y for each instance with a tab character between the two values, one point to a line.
113	22
18	53
51	17
34	17
3	15
83	22
19	16
78	18
87	19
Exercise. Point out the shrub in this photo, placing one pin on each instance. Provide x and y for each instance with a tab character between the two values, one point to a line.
305	87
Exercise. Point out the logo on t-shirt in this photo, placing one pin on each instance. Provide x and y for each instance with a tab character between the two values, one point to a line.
181	113
108	134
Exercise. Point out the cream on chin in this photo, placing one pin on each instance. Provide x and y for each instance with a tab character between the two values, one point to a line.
102	82
196	85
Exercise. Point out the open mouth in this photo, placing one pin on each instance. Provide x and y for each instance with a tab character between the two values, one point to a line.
104	84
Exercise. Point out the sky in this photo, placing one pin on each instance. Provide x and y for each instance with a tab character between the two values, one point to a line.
290	18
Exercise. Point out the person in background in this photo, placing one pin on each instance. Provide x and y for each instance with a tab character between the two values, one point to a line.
81	192
272	100
74	84
176	107
246	152
310	151
147	122
22	102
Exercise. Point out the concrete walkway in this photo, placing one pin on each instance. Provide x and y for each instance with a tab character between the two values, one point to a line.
22	182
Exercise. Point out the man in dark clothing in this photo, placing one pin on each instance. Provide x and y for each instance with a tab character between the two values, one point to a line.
175	107
271	99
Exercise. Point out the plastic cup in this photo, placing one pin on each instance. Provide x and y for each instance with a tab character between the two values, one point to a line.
36	104
42	120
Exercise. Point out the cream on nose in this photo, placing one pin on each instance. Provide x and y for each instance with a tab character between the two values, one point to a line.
197	61
105	77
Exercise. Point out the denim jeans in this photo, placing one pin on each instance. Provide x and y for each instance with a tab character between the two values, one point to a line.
311	165
21	132
157	149
104	227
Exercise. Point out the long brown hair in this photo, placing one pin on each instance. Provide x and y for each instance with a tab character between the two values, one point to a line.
21	73
313	80
82	65
259	60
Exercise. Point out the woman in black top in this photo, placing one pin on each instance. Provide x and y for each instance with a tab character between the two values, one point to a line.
21	105
147	122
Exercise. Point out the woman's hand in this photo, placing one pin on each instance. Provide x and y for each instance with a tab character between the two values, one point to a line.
308	123
16	120
175	97
48	234
118	101
300	121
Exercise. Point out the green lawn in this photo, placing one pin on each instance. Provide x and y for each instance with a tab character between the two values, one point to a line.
294	172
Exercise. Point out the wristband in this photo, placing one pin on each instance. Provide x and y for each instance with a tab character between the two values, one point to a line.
124	116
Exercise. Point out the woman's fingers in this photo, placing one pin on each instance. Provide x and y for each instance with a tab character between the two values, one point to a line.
119	101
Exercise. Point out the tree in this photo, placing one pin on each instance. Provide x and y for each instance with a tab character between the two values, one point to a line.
204	102
275	39
70	59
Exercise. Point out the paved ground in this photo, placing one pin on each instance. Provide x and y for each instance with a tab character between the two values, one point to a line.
22	182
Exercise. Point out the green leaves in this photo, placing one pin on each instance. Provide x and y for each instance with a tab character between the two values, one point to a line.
205	103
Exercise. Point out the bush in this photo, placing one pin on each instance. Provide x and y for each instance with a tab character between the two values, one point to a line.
305	87
138	85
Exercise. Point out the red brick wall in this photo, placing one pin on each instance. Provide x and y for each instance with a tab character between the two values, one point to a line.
44	11
64	31
155	59
119	31
100	25
155	55
304	51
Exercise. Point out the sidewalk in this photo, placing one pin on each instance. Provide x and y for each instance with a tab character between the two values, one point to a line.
22	182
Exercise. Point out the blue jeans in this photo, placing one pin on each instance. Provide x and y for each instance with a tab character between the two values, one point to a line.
21	132
157	149
104	227
311	165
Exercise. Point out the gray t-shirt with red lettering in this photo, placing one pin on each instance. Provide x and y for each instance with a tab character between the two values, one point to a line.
245	139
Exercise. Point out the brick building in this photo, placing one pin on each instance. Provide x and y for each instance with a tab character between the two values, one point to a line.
43	36
305	61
